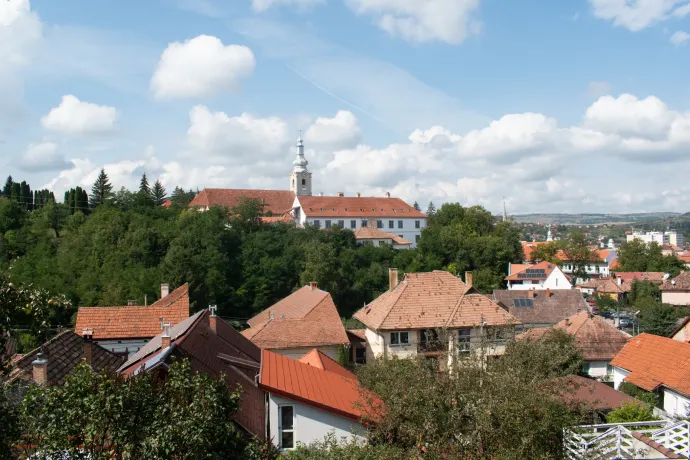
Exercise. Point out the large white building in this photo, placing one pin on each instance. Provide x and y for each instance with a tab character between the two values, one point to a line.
299	205
661	238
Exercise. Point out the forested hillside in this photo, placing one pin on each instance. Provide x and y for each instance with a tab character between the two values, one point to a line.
123	245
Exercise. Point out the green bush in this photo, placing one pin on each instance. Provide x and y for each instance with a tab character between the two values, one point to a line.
634	411
638	393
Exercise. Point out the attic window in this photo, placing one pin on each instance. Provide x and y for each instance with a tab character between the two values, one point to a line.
321	209
395	210
334	209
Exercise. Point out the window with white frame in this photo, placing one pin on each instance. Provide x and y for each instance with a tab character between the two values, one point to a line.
417	224
286	428
400	224
464	339
353	224
317	223
341	223
400	338
328	224
391	224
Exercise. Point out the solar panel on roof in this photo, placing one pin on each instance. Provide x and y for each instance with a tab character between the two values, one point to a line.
523	302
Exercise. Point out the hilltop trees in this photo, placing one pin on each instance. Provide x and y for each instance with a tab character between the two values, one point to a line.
101	191
158	193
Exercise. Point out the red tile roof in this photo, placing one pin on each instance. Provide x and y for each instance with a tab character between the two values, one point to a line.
516	268
614	265
548	267
167	203
322	361
328	206
277	202
529	246
373	233
641	276
310	385
684	257
679	283
595	394
306	318
134	322
594	338
432	300
653	361
666	452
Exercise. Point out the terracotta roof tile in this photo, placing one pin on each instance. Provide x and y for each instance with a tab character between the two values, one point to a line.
276	201
653	361
548	267
641	276
306	318
545	309
64	352
431	300
327	206
594	337
373	233
134	321
311	385
361	333
516	268
320	360
596	394
679	283
667	453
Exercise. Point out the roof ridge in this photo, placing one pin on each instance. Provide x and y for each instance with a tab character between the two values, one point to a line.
456	307
402	291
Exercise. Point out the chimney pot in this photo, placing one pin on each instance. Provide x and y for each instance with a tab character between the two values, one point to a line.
468	279
165	290
131	303
165	338
388	194
530	293
548	292
341	194
358	195
40	370
87	335
212	318
313	285
392	278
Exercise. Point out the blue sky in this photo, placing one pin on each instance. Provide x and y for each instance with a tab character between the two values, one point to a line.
579	106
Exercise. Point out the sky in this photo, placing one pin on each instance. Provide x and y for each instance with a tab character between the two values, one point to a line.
555	106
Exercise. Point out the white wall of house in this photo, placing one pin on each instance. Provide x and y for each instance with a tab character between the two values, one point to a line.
597	369
555	280
123	346
683	335
297	352
374	344
619	374
311	424
675	297
675	404
382	242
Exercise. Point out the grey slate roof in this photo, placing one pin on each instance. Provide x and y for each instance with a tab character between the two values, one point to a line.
546	309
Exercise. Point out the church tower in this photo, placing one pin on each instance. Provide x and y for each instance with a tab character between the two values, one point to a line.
300	177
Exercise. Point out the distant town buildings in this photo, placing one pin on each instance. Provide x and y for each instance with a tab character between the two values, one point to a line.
669	237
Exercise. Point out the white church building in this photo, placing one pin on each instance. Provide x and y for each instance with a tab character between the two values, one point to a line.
300	206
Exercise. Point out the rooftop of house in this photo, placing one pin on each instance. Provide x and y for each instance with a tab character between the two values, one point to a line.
594	338
684	257
539	271
671	247
306	318
277	202
321	388
319	360
608	285
529	246
373	233
679	283
432	300
134	322
654	277
680	325
63	352
655	361
593	393
335	206
541	306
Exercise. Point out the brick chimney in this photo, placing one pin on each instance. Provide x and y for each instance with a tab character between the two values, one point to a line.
40	370
314	285
212	317
165	338
548	292
359	194
468	279
392	278
87	335
165	290
530	294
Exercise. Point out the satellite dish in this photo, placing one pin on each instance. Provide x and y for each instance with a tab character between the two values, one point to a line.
665	276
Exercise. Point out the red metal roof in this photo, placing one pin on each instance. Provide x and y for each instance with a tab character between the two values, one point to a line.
311	385
134	322
322	361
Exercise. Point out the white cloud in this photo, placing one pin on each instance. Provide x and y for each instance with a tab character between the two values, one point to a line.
76	117
639	14
263	5
201	67
43	157
450	21
339	132
20	29
679	38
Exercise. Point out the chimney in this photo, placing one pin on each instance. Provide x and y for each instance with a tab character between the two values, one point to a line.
341	194
87	335
530	294
40	370
165	290
313	285
468	279
212	317
359	194
392	278
320	193
165	339
548	292
620	282
388	194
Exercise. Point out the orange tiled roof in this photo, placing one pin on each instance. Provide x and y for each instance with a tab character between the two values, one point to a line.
274	219
679	283
594	338
306	318
653	361
334	206
614	265
516	268
167	203
276	201
548	267
641	276
320	360
137	321
432	300
607	286
529	246
373	233
684	257
311	385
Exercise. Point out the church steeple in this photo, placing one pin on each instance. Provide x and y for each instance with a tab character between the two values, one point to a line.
300	177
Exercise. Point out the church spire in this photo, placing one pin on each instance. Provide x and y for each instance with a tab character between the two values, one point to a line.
300	163
300	177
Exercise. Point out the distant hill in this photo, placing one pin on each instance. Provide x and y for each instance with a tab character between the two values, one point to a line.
593	219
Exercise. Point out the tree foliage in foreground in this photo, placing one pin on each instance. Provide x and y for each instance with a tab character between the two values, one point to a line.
103	416
638	256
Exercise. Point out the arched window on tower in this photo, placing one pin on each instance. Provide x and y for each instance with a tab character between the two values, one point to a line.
304	182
